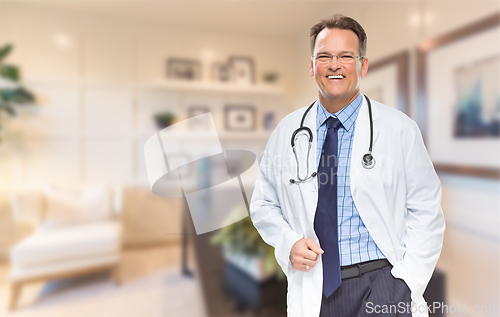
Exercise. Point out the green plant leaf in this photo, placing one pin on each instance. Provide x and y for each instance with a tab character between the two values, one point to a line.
17	96
23	96
5	50
7	94
7	108
11	72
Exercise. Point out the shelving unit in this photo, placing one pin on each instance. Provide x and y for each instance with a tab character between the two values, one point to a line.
213	87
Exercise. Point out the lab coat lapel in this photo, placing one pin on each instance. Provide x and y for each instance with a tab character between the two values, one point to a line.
361	142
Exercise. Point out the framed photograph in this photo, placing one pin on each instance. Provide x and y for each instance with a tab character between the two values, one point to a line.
183	69
198	123
242	70
239	118
458	100
221	73
193	111
387	81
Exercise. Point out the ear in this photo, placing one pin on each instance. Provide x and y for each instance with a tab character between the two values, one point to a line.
311	67
364	67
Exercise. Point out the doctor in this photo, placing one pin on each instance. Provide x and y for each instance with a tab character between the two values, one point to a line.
353	238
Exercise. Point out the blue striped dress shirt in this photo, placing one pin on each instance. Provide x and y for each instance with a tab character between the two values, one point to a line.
355	243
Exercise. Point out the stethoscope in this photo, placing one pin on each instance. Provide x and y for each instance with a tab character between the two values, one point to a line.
368	161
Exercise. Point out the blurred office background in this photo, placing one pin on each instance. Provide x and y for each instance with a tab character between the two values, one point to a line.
81	234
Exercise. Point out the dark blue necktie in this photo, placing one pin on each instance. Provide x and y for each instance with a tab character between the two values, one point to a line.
325	219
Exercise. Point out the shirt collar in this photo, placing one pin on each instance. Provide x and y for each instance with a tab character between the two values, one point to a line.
346	115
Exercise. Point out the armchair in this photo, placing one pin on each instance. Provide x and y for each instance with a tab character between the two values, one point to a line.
76	232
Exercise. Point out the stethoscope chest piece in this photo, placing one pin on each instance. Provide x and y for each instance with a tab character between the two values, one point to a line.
368	161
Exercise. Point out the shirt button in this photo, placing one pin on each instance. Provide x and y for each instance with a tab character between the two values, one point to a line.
371	225
354	192
390	254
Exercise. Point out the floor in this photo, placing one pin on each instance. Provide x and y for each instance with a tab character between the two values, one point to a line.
152	286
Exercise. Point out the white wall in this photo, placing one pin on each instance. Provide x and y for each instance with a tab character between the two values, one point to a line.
93	79
94	75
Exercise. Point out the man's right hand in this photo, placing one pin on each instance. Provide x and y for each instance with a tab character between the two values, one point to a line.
304	253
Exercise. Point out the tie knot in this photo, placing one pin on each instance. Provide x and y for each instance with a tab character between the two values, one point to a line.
333	123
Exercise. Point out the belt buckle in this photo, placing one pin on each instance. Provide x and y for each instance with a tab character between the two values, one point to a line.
360	269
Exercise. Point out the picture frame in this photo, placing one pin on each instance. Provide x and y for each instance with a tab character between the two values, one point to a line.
242	70
387	81
221	73
183	69
439	98
239	118
198	124
193	111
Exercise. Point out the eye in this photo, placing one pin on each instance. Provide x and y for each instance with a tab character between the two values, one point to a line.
347	57
323	58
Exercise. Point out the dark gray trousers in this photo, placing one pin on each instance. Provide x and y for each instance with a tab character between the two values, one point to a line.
376	293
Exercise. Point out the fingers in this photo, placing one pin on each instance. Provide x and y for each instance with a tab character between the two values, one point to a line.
310	255
313	246
304	266
308	262
304	253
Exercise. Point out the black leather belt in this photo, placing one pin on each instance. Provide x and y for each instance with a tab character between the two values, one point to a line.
359	269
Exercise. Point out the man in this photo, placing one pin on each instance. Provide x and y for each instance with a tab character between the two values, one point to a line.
353	238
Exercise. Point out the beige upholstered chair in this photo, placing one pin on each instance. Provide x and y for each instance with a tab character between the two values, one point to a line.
76	232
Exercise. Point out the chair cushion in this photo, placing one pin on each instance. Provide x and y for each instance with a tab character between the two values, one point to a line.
67	243
69	206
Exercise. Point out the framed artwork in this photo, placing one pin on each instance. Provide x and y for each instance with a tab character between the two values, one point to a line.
239	118
242	70
387	81
183	69
198	123
221	73
458	99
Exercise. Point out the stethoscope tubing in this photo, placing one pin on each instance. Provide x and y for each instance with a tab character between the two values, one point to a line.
368	161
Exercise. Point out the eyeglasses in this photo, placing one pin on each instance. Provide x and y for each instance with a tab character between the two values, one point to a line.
345	58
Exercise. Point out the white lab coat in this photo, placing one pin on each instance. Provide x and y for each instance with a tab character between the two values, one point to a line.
398	201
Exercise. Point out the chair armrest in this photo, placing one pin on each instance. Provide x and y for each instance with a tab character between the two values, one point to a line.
28	206
117	201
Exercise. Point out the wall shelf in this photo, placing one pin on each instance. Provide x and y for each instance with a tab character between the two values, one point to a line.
257	136
212	87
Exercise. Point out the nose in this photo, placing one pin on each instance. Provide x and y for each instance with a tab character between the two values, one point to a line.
334	63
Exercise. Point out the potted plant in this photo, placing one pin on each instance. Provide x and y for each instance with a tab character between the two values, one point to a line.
244	248
164	119
12	93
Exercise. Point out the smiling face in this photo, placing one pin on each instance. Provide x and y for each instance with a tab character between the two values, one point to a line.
338	84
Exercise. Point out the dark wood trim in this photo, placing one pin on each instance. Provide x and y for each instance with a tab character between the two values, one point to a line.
401	60
421	92
485	172
422	52
461	33
421	59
